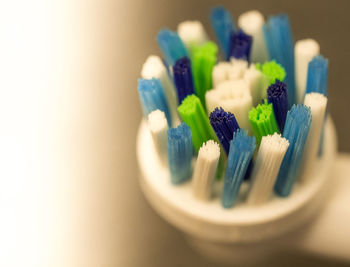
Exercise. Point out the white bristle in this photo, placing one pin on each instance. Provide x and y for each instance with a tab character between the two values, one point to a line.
256	83
238	69
304	51
192	33
232	96
317	103
205	170
158	126
251	23
271	152
154	68
221	73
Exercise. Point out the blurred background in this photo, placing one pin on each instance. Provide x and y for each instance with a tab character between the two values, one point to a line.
69	193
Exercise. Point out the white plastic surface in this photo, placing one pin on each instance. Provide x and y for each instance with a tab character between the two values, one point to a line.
243	223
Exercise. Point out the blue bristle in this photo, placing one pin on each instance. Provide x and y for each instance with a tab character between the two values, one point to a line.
278	96
317	81
183	78
152	97
223	27
241	150
171	45
280	45
240	46
295	131
180	152
317	75
224	124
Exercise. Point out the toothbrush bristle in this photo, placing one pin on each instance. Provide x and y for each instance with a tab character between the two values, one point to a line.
223	27
158	127
224	125
192	33
263	121
317	75
192	113
277	95
296	131
205	169
180	152
152	97
270	155
171	45
183	78
280	45
240	46
203	58
241	150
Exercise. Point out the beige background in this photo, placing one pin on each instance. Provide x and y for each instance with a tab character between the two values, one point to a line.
76	64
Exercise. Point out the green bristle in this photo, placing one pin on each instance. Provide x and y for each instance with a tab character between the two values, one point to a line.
193	114
272	71
204	58
263	121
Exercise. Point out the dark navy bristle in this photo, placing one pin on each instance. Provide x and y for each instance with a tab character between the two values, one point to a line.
278	96
249	170
183	78
224	124
240	45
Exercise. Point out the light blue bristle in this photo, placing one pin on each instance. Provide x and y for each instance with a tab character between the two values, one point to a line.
223	27
152	97
317	81
171	45
180	152
317	75
280	45
295	131
241	150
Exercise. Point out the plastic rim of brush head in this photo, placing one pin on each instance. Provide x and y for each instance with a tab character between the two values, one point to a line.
241	224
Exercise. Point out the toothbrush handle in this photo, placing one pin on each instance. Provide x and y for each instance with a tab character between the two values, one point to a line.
329	234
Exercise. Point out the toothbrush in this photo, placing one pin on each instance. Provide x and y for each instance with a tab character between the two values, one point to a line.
285	189
225	103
